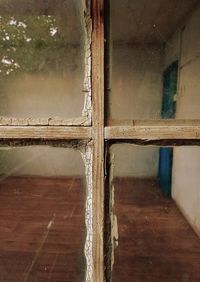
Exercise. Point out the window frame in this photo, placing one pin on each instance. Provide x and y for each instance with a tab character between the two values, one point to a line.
99	135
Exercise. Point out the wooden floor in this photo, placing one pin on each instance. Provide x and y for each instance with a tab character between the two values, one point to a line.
155	242
42	233
42	230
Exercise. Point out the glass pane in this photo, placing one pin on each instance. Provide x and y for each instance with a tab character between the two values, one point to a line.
154	60
42	58
156	232
42	214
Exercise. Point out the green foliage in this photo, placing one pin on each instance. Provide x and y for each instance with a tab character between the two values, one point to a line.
31	44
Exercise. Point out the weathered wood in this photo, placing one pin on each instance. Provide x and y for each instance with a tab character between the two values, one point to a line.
45	132
153	122
98	137
80	121
157	130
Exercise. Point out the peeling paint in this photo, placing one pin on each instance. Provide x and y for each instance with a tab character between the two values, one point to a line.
87	154
54	121
87	109
113	217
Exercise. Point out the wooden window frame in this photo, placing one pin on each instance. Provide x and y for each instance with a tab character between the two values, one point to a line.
161	132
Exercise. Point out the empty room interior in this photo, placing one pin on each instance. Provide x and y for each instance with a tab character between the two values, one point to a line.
152	73
154	53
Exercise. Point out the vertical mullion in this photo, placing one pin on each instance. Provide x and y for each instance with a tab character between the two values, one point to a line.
98	137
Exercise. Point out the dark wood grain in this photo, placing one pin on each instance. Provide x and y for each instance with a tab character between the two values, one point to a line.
155	241
42	229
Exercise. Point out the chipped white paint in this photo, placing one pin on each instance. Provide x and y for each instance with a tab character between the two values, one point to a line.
87	108
69	122
87	158
43	121
113	217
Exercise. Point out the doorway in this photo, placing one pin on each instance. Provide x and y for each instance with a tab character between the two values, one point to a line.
168	112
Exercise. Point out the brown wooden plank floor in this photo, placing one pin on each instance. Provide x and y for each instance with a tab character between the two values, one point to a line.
155	242
42	229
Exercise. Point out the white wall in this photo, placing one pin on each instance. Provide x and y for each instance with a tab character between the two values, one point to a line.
189	98
186	163
186	183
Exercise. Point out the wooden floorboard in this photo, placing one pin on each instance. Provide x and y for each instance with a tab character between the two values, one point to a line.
155	241
42	229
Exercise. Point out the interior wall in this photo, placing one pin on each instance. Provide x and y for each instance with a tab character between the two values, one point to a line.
42	58
186	161
136	87
41	76
136	93
134	161
40	95
41	161
186	183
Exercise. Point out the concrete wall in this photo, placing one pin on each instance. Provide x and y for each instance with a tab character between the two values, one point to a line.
136	93
136	84
134	161
50	95
42	161
172	49
53	89
186	163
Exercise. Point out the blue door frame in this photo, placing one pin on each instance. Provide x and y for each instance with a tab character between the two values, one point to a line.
168	112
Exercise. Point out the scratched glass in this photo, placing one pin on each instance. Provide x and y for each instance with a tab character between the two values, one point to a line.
156	204
154	60
42	214
42	58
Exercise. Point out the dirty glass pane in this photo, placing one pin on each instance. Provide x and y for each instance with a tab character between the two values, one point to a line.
156	217
42	214
154	60
42	58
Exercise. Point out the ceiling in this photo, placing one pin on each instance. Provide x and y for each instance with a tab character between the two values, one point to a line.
133	21
143	21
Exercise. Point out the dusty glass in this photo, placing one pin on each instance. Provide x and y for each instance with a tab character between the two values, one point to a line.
154	60
43	48
156	220
42	214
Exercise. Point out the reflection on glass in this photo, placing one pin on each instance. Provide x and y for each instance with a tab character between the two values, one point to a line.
41	58
42	222
154	60
156	202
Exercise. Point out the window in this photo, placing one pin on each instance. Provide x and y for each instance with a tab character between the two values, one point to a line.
113	66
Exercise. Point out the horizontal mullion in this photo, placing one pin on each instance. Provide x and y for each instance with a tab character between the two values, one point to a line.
45	132
161	130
